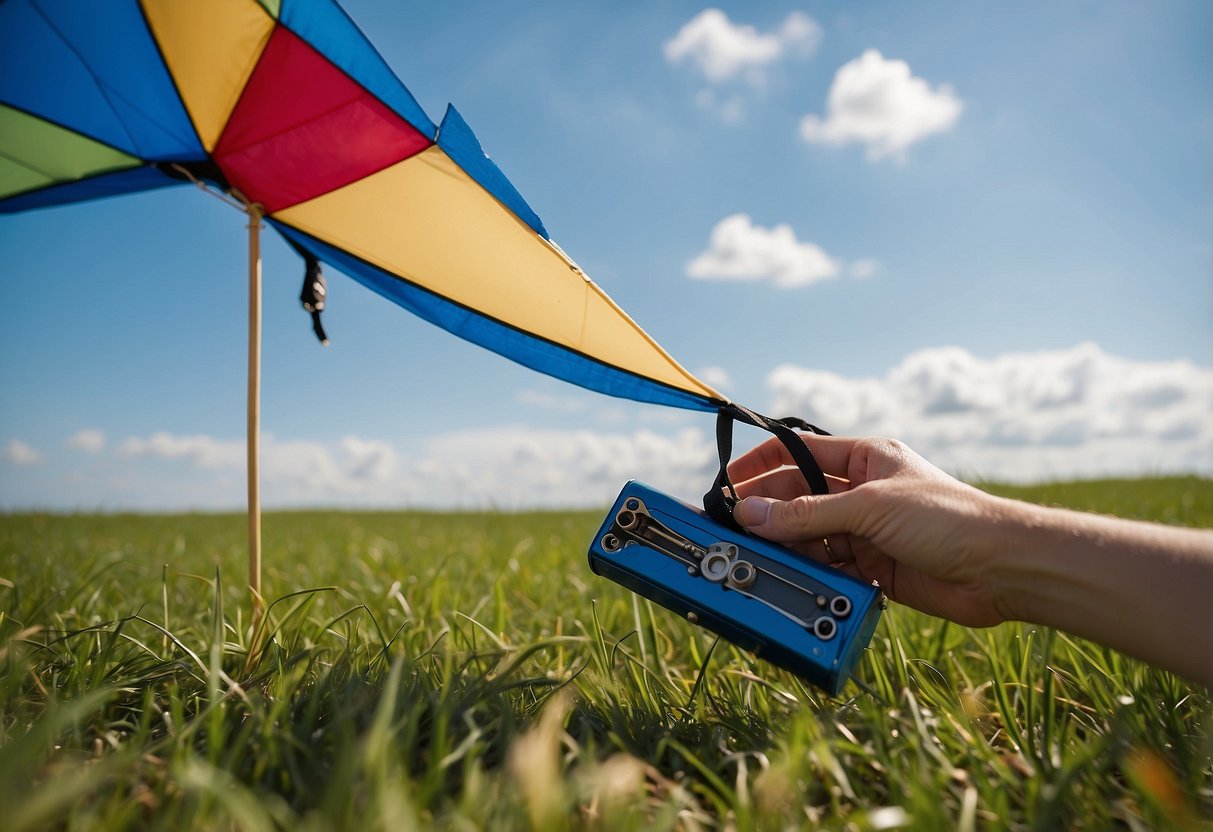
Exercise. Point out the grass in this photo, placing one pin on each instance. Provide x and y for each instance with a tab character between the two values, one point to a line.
469	672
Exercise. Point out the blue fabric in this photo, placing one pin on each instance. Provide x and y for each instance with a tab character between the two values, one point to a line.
457	141
93	67
142	178
327	27
523	347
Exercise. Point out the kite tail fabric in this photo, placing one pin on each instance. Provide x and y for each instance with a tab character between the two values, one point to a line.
722	497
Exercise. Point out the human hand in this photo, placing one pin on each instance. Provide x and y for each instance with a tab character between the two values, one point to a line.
890	517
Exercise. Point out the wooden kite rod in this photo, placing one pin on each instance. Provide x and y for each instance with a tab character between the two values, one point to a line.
253	438
254	410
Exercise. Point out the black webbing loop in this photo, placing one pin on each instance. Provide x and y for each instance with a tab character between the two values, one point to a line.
721	498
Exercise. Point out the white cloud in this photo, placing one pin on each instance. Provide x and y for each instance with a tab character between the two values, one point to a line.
368	460
723	50
515	467
88	440
291	471
203	451
505	468
879	103
17	452
740	250
717	377
1021	416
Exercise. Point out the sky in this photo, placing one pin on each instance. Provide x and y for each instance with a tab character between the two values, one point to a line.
983	228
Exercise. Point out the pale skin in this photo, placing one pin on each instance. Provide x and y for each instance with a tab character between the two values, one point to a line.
951	550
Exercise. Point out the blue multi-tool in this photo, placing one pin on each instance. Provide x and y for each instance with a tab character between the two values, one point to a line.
811	619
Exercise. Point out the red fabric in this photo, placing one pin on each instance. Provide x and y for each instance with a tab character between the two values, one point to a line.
302	128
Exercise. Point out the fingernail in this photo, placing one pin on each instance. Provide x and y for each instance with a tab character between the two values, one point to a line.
753	511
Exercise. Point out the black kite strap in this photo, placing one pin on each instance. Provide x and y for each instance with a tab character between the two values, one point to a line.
721	498
315	290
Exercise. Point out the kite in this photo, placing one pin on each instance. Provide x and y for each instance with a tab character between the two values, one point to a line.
285	107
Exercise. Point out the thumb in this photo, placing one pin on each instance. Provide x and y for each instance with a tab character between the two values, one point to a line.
802	518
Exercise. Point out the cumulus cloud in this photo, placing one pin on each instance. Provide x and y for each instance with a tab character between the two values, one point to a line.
740	250
1030	416
88	440
523	467
17	452
509	468
1021	416
291	471
880	103
203	451
724	50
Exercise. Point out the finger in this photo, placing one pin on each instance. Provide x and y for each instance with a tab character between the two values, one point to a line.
833	454
803	518
783	484
761	459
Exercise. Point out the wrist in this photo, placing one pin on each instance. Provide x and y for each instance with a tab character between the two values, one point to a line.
1019	551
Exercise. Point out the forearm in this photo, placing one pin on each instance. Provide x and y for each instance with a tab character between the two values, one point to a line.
1141	588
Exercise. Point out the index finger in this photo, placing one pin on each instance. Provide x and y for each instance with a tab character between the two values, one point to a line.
833	454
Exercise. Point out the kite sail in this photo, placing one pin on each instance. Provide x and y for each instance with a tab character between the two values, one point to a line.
285	105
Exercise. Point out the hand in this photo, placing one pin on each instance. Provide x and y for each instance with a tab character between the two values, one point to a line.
948	549
890	517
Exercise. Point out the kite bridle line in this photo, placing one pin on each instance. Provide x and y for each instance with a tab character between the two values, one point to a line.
232	197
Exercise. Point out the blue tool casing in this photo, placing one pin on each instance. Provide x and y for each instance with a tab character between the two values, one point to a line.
808	618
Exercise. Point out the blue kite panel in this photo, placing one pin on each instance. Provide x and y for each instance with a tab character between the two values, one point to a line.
327	27
143	178
519	346
94	68
457	141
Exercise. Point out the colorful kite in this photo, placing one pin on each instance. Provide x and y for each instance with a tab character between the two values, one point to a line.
285	107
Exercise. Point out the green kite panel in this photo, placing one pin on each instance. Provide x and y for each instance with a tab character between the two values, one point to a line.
37	153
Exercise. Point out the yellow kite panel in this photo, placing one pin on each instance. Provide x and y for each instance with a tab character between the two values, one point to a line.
426	220
211	47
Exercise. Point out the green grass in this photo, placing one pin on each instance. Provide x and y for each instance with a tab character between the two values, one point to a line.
469	672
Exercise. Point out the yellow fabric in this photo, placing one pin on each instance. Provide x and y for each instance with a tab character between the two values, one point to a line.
211	47
426	220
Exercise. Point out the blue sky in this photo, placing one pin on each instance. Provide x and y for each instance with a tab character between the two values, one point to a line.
984	228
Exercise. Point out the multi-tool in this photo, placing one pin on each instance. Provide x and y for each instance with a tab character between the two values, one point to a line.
811	619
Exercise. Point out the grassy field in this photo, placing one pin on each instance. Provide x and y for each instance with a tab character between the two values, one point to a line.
469	672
